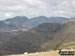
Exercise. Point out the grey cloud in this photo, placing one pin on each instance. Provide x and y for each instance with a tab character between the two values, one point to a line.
38	7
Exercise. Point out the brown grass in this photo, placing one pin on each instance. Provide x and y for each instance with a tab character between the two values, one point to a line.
50	53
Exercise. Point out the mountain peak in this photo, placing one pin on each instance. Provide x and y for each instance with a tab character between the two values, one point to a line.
23	17
42	17
18	19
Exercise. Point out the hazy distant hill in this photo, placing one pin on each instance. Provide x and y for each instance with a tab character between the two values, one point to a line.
42	19
24	23
4	26
17	19
58	19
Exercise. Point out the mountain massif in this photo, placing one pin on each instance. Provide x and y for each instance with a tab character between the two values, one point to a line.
44	37
44	34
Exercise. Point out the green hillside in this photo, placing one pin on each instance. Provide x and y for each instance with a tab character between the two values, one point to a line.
35	39
69	33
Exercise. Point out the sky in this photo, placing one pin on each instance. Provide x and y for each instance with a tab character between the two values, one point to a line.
34	8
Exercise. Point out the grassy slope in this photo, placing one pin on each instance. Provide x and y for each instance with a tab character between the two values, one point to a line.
38	39
69	33
45	37
49	53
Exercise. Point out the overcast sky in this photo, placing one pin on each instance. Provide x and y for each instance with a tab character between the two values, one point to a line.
33	8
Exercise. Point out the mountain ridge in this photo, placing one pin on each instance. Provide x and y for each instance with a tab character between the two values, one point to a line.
22	22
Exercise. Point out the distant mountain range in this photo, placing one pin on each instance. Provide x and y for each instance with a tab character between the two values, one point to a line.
21	34
24	23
